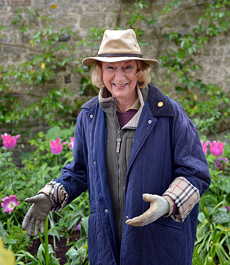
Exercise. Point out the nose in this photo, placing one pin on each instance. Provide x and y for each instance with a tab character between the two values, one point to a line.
119	75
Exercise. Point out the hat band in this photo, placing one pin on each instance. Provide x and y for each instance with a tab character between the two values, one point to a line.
120	55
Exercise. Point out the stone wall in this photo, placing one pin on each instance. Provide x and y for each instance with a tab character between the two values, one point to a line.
81	15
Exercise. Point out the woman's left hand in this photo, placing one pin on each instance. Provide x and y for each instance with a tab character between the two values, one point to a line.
159	206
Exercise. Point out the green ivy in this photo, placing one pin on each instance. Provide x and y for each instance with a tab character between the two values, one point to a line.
207	104
51	51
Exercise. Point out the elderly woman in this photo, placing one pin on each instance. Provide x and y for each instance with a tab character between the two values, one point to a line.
140	158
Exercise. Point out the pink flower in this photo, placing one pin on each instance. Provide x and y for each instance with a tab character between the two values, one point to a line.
9	141
78	227
56	146
71	144
228	208
204	146
217	148
218	159
9	203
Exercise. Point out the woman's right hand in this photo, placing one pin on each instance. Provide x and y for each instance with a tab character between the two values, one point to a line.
36	216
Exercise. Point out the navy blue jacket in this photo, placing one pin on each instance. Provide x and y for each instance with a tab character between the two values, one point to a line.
166	145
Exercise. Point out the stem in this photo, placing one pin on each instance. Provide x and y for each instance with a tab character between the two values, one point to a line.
11	171
47	259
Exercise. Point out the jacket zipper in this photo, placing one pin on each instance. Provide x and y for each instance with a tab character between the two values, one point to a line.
118	148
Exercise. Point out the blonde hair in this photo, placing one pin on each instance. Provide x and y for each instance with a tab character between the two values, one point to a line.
143	74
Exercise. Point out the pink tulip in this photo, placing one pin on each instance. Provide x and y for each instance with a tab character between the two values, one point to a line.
9	141
56	146
9	203
204	146
217	148
219	159
78	227
71	144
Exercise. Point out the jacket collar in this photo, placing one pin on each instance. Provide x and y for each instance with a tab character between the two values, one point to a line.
159	103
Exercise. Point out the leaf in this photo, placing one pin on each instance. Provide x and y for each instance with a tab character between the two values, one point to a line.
27	255
201	217
72	253
221	218
84	226
221	253
10	241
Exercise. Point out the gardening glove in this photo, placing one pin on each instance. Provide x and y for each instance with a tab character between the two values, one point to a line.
159	206
37	213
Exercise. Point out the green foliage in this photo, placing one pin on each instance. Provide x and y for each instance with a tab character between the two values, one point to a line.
45	254
208	106
78	255
203	101
12	234
213	234
40	167
51	52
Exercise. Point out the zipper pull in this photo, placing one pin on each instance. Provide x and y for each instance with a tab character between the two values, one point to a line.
118	144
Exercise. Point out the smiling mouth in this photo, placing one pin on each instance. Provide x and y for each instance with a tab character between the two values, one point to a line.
123	85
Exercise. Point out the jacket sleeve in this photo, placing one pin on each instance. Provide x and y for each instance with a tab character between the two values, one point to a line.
191	173
73	180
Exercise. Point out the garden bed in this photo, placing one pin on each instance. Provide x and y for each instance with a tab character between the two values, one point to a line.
62	246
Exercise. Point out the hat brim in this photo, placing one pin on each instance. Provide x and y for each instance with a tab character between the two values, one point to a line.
92	60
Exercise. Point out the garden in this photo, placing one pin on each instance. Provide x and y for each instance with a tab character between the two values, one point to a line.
207	104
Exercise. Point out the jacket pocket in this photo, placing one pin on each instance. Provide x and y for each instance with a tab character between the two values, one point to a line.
169	224
166	243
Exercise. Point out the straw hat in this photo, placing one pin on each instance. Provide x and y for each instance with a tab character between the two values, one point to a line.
118	45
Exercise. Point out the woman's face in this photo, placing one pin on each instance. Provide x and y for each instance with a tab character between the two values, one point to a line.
120	78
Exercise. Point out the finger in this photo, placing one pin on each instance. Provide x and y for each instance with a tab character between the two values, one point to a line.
143	218
148	197
133	223
33	199
42	227
26	220
153	202
137	221
30	227
36	227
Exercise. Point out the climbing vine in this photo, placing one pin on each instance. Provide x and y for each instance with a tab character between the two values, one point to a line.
206	103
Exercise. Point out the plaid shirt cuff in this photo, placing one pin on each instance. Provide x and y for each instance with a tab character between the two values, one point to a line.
57	193
184	195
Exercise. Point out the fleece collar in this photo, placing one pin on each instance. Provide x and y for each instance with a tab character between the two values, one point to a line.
108	104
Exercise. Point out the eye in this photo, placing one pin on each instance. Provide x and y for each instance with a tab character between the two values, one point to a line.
110	68
128	67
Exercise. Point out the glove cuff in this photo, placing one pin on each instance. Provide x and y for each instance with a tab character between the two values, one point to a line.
57	194
172	205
